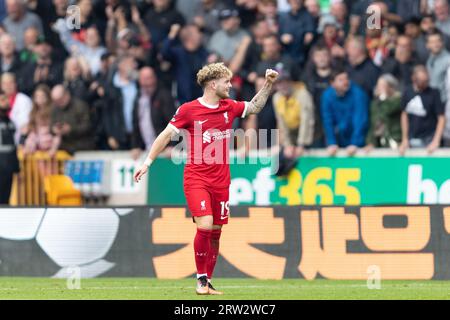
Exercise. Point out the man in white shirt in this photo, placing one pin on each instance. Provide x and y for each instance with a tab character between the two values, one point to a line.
20	105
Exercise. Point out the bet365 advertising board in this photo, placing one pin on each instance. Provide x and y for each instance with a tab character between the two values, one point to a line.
320	181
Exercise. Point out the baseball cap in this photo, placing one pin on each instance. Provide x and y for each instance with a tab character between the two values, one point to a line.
228	13
283	72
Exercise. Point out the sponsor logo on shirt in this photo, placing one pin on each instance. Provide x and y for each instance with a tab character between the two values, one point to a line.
214	136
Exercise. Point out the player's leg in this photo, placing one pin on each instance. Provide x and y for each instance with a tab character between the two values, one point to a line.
220	205
202	243
199	203
214	246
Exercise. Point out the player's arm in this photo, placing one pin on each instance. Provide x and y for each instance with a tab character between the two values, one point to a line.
259	100
158	146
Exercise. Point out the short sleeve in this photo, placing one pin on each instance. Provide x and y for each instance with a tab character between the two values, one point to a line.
180	120
439	106
240	108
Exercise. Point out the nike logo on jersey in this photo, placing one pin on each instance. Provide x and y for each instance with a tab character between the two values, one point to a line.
202	122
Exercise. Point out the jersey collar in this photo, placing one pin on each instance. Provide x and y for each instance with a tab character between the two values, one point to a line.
210	106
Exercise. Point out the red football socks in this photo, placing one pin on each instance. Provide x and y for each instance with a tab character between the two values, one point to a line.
201	250
213	251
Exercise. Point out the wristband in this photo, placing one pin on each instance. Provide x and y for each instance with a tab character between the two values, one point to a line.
148	162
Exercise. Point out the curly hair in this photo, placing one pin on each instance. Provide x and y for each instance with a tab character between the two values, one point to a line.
212	71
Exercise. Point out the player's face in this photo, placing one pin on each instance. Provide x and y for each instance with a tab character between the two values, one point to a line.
223	87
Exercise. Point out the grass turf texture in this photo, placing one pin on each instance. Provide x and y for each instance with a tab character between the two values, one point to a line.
238	289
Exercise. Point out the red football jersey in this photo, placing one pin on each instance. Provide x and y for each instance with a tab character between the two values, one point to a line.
208	129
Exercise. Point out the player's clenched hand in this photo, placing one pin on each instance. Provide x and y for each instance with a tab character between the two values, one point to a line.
271	75
138	175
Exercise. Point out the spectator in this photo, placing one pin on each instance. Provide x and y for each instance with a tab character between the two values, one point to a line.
226	41
294	110
70	121
442	14
268	12
385	111
40	136
274	59
331	38
19	19
402	63
152	111
253	53
185	8
86	21
438	62
363	9
45	70
408	9
338	16
20	105
317	78
423	117
160	18
31	40
187	58
90	49
313	8
119	103
8	154
76	78
248	12
345	114
207	16
447	115
124	22
297	30
97	99
9	58
360	68
50	12
377	45
414	30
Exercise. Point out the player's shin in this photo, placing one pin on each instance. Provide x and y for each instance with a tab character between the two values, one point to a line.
213	251
201	250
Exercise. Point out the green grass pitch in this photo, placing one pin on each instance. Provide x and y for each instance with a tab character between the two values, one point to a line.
237	289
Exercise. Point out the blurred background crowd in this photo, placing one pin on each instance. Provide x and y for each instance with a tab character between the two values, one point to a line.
353	73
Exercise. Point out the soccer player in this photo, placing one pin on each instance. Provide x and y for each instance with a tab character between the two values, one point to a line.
207	123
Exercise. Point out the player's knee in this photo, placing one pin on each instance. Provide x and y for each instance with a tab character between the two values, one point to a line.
205	222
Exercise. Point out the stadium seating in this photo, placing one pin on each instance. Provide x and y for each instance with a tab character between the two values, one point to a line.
61	191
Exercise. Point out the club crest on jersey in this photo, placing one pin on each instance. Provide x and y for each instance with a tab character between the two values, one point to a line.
225	115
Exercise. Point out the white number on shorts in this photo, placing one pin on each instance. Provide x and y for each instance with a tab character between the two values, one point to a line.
225	206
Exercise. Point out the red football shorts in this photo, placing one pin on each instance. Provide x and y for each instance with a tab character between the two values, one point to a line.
204	201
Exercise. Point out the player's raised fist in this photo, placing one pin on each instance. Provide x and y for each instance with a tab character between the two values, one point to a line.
271	75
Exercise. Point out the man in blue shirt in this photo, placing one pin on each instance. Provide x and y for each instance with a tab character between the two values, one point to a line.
345	114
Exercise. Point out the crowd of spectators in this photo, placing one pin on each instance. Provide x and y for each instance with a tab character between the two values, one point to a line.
353	73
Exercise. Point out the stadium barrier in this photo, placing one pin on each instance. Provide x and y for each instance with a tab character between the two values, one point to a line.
392	242
28	184
380	177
